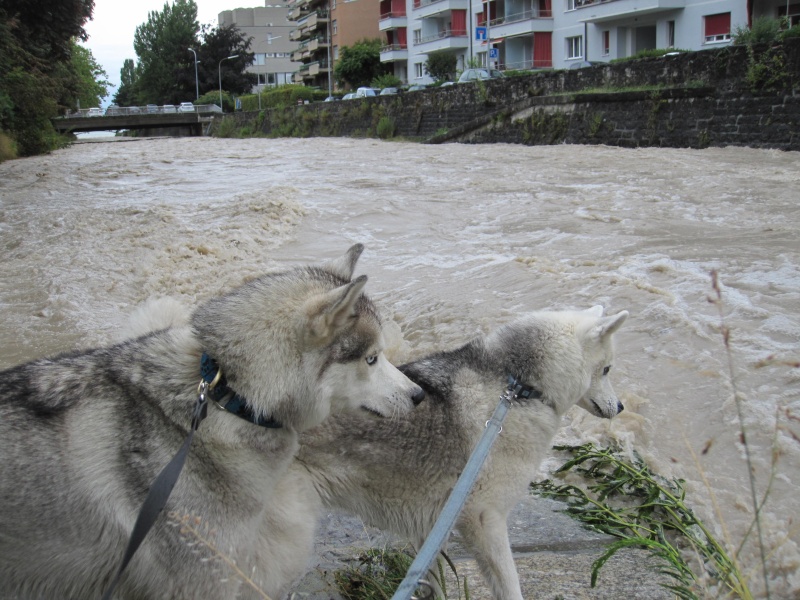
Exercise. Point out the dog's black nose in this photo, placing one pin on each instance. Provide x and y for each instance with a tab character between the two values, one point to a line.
418	396
620	407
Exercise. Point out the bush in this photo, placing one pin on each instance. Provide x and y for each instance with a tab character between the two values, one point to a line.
764	31
386	128
8	148
441	65
387	80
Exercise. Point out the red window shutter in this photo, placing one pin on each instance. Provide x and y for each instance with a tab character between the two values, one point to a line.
401	37
398	8
719	24
542	49
458	22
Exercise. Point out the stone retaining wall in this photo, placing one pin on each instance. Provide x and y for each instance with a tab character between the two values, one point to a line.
730	96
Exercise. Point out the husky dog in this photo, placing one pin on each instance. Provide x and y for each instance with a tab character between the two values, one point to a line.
397	474
84	434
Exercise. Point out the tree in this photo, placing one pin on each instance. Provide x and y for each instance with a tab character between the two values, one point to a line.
47	27
91	80
161	46
441	65
218	43
38	77
126	93
359	64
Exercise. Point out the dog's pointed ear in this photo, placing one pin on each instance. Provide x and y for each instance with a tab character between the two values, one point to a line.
329	313
609	325
345	265
596	311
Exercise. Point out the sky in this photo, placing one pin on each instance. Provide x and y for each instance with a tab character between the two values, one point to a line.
114	23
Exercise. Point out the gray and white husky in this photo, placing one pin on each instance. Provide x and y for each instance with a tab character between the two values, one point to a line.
397	474
83	435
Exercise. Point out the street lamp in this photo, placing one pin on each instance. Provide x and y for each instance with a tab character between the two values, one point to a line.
220	77
196	82
269	40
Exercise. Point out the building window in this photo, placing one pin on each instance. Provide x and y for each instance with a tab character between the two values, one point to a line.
793	13
717	28
670	34
606	42
333	4
417	36
336	53
575	47
571	4
418	70
335	27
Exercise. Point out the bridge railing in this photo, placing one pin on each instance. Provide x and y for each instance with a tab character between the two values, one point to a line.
150	109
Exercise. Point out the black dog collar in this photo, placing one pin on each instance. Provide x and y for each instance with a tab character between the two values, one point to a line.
235	404
522	390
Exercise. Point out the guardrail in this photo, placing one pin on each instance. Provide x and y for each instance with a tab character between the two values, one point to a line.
150	109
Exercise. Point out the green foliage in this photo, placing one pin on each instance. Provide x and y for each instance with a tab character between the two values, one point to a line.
219	43
126	93
386	80
765	30
8	148
625	499
282	96
359	64
441	66
386	128
792	32
377	575
226	128
90	78
163	59
38	78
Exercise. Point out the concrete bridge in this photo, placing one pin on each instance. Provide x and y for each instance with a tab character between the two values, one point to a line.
136	117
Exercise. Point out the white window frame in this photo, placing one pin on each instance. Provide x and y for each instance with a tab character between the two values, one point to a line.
574	47
419	70
571	5
606	36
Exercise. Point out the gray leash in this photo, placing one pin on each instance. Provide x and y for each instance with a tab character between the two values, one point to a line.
447	518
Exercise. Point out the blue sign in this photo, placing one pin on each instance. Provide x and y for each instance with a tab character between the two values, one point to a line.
494	53
480	34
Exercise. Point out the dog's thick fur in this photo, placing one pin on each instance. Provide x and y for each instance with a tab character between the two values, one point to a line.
84	434
397	474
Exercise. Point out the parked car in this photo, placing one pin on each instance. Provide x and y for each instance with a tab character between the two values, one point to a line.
169	108
417	87
366	92
134	110
388	91
152	109
349	96
331	99
482	74
94	112
186	107
113	110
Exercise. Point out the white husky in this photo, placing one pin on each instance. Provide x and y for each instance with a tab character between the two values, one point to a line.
83	435
397	474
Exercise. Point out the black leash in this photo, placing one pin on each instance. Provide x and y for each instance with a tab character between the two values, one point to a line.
213	386
161	489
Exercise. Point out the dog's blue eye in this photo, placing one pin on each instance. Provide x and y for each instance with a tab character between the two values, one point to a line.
371	360
606	370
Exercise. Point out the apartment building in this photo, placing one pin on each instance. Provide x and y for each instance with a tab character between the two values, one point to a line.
540	34
270	28
322	28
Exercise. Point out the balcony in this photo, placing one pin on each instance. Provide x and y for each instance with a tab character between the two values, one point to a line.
393	20
597	11
394	53
429	8
522	23
446	39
